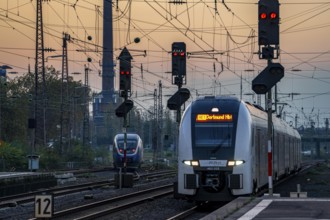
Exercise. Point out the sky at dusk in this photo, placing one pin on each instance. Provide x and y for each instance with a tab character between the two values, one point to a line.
221	36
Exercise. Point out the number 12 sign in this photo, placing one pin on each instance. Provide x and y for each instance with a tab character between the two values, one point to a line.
43	206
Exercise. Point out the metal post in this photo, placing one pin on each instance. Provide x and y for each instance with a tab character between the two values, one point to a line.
178	111
270	162
125	146
125	138
120	178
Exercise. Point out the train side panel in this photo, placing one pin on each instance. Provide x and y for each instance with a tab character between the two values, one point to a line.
185	153
243	151
259	146
220	159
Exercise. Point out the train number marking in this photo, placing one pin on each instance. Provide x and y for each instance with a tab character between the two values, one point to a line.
43	206
213	163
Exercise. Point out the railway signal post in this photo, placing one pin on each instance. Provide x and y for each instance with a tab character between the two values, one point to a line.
179	57
268	40
124	180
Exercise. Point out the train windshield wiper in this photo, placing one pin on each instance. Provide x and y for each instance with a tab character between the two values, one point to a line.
220	145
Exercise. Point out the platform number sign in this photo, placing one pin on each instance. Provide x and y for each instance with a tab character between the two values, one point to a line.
43	206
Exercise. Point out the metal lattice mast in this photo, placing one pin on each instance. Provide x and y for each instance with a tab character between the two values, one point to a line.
160	120
65	113
86	110
40	85
154	129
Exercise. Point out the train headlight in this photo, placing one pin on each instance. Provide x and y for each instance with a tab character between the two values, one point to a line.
231	163
193	163
239	162
235	162
187	162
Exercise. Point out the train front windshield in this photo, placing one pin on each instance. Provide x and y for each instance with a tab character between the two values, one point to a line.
213	134
130	145
213	131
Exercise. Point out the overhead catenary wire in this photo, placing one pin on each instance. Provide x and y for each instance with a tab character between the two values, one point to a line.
207	71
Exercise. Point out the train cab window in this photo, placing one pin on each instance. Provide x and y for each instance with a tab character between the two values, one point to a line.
213	134
130	145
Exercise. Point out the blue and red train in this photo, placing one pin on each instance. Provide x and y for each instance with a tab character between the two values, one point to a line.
134	151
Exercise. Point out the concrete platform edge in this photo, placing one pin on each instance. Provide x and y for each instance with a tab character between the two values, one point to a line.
229	208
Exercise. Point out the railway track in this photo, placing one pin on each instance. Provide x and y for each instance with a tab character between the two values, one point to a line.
109	206
14	200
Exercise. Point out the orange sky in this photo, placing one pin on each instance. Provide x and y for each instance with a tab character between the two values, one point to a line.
203	26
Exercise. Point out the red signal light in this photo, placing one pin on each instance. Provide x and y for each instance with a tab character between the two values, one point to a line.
175	54
182	54
125	72
273	15
263	16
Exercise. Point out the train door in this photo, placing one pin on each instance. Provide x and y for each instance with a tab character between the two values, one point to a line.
291	157
258	155
281	155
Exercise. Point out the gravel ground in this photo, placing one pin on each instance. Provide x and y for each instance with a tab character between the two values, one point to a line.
163	207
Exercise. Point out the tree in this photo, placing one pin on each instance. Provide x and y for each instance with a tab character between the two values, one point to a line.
17	106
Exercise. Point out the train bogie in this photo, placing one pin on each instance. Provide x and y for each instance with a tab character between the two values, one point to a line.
223	150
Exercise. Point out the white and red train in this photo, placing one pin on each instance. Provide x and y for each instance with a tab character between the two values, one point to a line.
223	150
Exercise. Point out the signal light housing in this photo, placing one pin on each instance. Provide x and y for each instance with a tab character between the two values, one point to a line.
179	59
268	25
273	73
125	72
